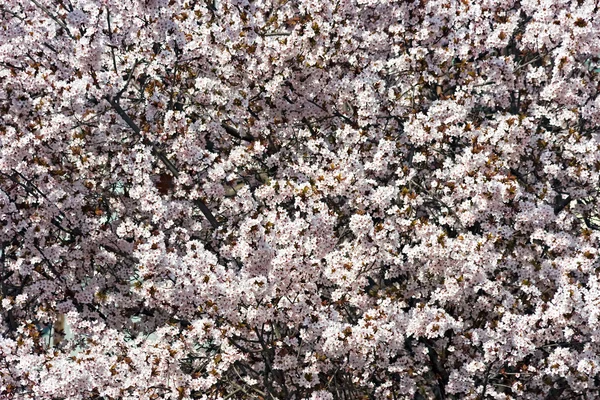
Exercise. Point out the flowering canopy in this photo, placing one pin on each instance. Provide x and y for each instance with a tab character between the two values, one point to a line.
308	199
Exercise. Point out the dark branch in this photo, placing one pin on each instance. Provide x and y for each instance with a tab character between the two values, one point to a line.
236	134
160	155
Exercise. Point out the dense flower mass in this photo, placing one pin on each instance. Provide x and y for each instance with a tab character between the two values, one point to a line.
299	199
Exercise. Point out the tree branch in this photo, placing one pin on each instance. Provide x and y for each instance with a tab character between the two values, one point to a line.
58	21
236	134
160	155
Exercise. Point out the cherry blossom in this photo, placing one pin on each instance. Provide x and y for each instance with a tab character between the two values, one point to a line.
337	199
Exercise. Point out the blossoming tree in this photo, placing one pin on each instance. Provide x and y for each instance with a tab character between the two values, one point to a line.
312	199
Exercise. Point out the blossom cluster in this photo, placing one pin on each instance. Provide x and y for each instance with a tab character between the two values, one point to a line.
333	199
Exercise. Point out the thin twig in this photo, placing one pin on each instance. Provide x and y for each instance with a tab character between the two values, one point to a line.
160	155
487	377
120	93
441	203
57	20
112	50
277	34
